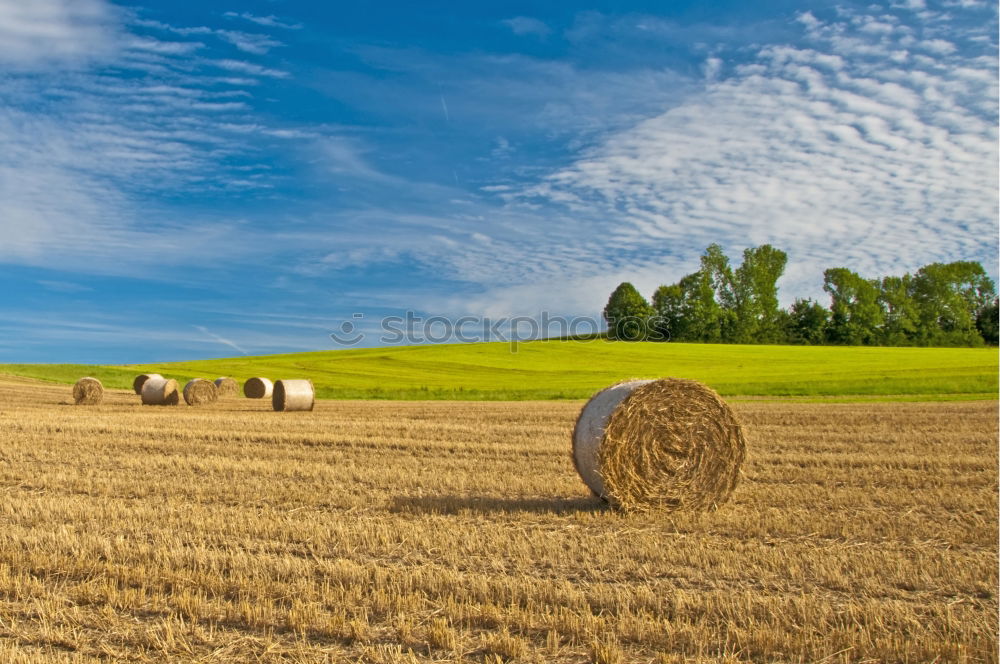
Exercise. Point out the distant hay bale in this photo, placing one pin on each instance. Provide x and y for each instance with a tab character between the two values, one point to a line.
258	388
141	379
227	387
160	391
291	395
199	391
667	444
88	392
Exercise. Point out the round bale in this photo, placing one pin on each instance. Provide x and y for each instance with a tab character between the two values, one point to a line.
667	444
199	391
258	388
141	379
227	387
88	392
160	392
293	395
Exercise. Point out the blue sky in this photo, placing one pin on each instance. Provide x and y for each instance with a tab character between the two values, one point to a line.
184	180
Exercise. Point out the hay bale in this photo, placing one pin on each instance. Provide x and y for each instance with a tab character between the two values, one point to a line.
88	392
160	392
258	388
227	387
667	443
198	392
140	380
293	395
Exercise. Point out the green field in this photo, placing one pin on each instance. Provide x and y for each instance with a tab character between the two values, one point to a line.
575	369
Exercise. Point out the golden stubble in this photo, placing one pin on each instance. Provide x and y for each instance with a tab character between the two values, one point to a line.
447	531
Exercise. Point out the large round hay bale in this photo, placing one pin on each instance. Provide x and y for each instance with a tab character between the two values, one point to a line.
668	444
141	379
199	391
293	395
228	387
160	392
258	388
88	392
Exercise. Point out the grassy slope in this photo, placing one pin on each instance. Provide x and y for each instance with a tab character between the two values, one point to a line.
575	369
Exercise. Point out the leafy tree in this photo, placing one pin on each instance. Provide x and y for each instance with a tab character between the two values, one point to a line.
855	314
942	304
783	323
715	265
705	318
807	322
950	297
901	315
688	310
627	314
670	313
748	295
987	323
756	282
716	319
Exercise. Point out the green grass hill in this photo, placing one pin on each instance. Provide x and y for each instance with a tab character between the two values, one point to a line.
576	369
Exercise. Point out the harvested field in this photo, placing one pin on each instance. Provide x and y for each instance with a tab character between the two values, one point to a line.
459	531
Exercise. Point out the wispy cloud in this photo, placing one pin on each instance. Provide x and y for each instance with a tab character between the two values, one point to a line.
221	340
526	25
87	154
875	148
250	68
257	44
488	182
557	102
862	140
64	286
45	32
269	21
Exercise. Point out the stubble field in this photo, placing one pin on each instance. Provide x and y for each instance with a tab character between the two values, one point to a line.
459	531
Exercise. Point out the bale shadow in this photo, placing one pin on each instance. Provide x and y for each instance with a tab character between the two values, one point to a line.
494	505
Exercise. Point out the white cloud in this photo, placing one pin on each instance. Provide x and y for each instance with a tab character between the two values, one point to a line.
249	43
55	216
250	68
85	154
526	25
41	33
222	340
63	286
514	94
712	67
269	21
829	152
345	158
872	143
163	47
503	149
938	46
254	43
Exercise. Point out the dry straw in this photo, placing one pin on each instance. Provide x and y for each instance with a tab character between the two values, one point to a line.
88	392
227	387
141	379
258	388
160	392
669	444
198	392
293	395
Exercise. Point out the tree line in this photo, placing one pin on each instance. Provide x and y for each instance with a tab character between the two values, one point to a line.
942	304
